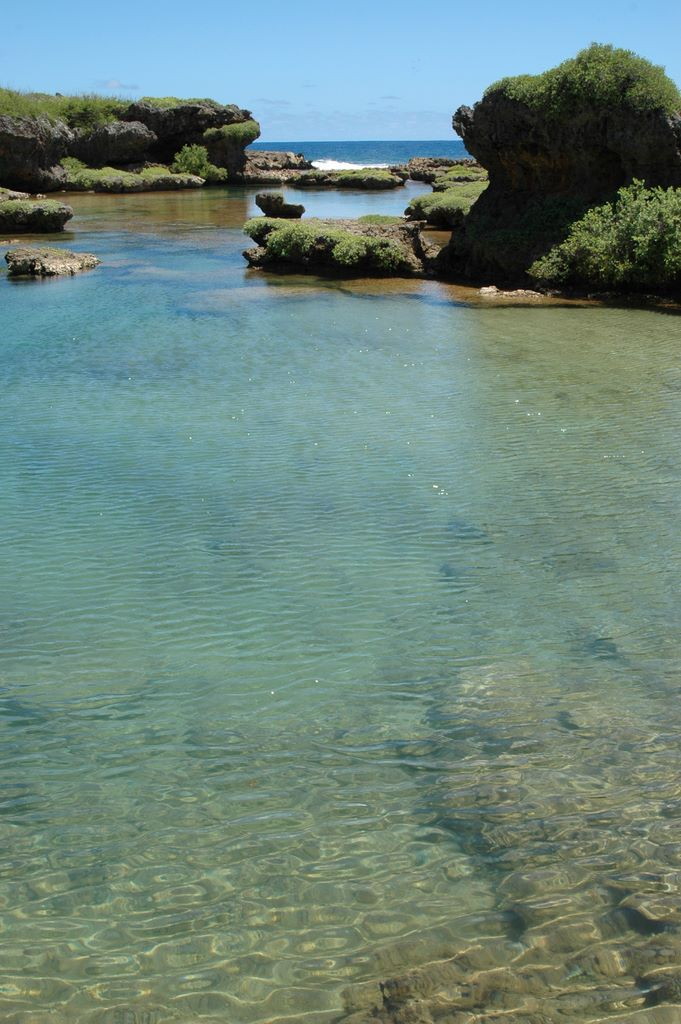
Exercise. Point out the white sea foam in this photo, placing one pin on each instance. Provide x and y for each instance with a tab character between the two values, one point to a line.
340	165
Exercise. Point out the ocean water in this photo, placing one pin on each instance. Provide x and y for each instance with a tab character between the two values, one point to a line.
339	624
332	155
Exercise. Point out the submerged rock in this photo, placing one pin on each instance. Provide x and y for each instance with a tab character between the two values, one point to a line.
29	262
273	204
25	215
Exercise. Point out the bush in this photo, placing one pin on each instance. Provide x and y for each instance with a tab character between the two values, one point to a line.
599	76
243	133
444	209
633	242
194	160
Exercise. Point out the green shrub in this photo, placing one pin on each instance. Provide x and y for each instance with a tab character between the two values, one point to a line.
258	228
194	160
444	209
243	133
599	76
633	242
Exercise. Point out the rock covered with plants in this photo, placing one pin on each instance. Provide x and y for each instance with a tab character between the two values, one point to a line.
273	204
556	145
38	131
367	247
18	216
31	262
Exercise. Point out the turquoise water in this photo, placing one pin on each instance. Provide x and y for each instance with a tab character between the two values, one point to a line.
256	533
371	152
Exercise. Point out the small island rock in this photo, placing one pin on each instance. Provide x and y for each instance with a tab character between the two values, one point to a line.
273	204
30	262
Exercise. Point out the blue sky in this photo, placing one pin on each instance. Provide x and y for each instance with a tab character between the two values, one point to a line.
351	70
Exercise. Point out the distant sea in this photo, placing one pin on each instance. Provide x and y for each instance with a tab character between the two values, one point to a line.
340	155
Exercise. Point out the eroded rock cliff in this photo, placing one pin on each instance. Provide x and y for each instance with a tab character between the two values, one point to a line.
555	145
32	147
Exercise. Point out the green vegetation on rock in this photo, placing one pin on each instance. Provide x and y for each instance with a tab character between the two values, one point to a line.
444	209
314	243
459	175
194	160
599	76
80	178
25	215
169	102
243	133
85	111
631	243
363	178
380	218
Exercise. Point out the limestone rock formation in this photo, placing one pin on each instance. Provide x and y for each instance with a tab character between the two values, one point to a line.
348	248
269	167
20	215
150	131
428	168
29	262
30	151
366	178
118	142
554	146
273	204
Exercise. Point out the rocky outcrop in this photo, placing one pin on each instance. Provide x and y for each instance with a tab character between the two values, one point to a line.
428	168
119	142
273	204
269	167
30	151
28	262
549	162
347	248
366	178
183	123
20	215
32	148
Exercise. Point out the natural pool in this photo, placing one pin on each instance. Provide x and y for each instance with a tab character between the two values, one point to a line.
339	626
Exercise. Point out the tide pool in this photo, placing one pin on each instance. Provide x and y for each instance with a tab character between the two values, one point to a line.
273	551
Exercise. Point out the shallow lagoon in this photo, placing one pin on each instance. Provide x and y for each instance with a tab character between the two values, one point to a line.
286	563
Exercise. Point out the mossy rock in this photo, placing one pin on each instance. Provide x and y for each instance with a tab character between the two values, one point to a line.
445	209
344	248
371	179
80	178
20	215
43	262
